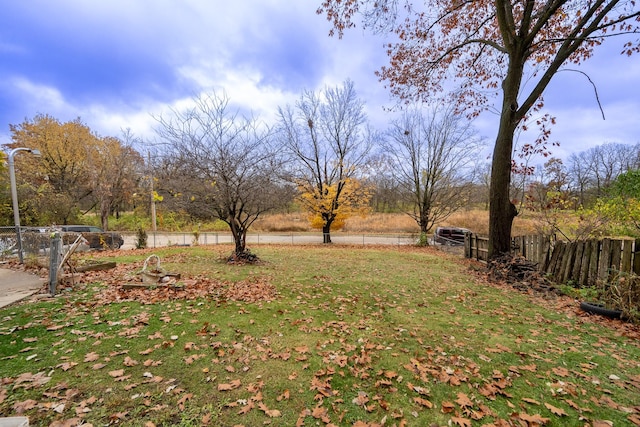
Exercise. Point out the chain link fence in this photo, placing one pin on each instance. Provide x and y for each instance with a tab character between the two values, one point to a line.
36	241
163	239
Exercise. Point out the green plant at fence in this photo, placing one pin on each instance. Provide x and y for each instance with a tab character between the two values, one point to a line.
423	240
622	292
141	238
196	236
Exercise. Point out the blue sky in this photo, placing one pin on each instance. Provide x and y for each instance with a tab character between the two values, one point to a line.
116	63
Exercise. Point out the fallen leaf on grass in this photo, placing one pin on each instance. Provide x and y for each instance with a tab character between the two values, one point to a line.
284	396
21	407
321	413
533	419
91	357
206	419
116	373
183	400
462	422
130	362
635	419
561	372
302	349
71	422
464	401
66	366
420	390
532	401
447	407
423	402
556	411
361	400
271	413
29	380
118	416
229	386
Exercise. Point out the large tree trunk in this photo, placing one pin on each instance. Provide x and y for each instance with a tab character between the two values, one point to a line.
239	234
240	239
326	230
501	210
105	210
326	234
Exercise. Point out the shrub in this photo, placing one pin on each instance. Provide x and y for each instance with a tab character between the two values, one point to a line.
622	292
141	238
423	240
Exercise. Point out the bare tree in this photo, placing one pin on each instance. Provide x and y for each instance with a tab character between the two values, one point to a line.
606	162
221	164
379	175
326	139
433	155
579	176
112	170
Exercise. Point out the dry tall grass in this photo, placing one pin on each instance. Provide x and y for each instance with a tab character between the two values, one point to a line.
476	220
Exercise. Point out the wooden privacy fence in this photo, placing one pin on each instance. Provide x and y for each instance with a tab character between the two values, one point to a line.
582	262
535	248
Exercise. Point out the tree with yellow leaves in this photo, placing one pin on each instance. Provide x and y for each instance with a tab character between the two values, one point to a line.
77	170
327	140
60	176
331	206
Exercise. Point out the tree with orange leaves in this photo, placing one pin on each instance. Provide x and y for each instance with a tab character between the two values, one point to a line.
487	47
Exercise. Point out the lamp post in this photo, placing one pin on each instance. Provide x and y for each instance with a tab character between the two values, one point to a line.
14	194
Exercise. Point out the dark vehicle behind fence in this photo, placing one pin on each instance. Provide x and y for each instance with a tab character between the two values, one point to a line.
450	235
97	238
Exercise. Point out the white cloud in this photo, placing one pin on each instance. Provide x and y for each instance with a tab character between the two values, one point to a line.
38	97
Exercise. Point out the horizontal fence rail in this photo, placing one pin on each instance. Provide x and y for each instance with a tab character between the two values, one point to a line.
36	242
582	263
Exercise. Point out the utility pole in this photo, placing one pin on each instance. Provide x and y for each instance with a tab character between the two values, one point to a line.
153	198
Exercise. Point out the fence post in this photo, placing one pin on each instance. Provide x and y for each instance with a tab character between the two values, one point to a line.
55	256
605	259
467	245
626	256
577	262
636	256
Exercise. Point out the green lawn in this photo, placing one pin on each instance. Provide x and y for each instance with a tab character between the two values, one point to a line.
315	335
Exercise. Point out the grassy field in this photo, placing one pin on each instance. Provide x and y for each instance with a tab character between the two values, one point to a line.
316	335
476	220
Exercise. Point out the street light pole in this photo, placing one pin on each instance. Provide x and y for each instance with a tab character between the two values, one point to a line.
14	194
